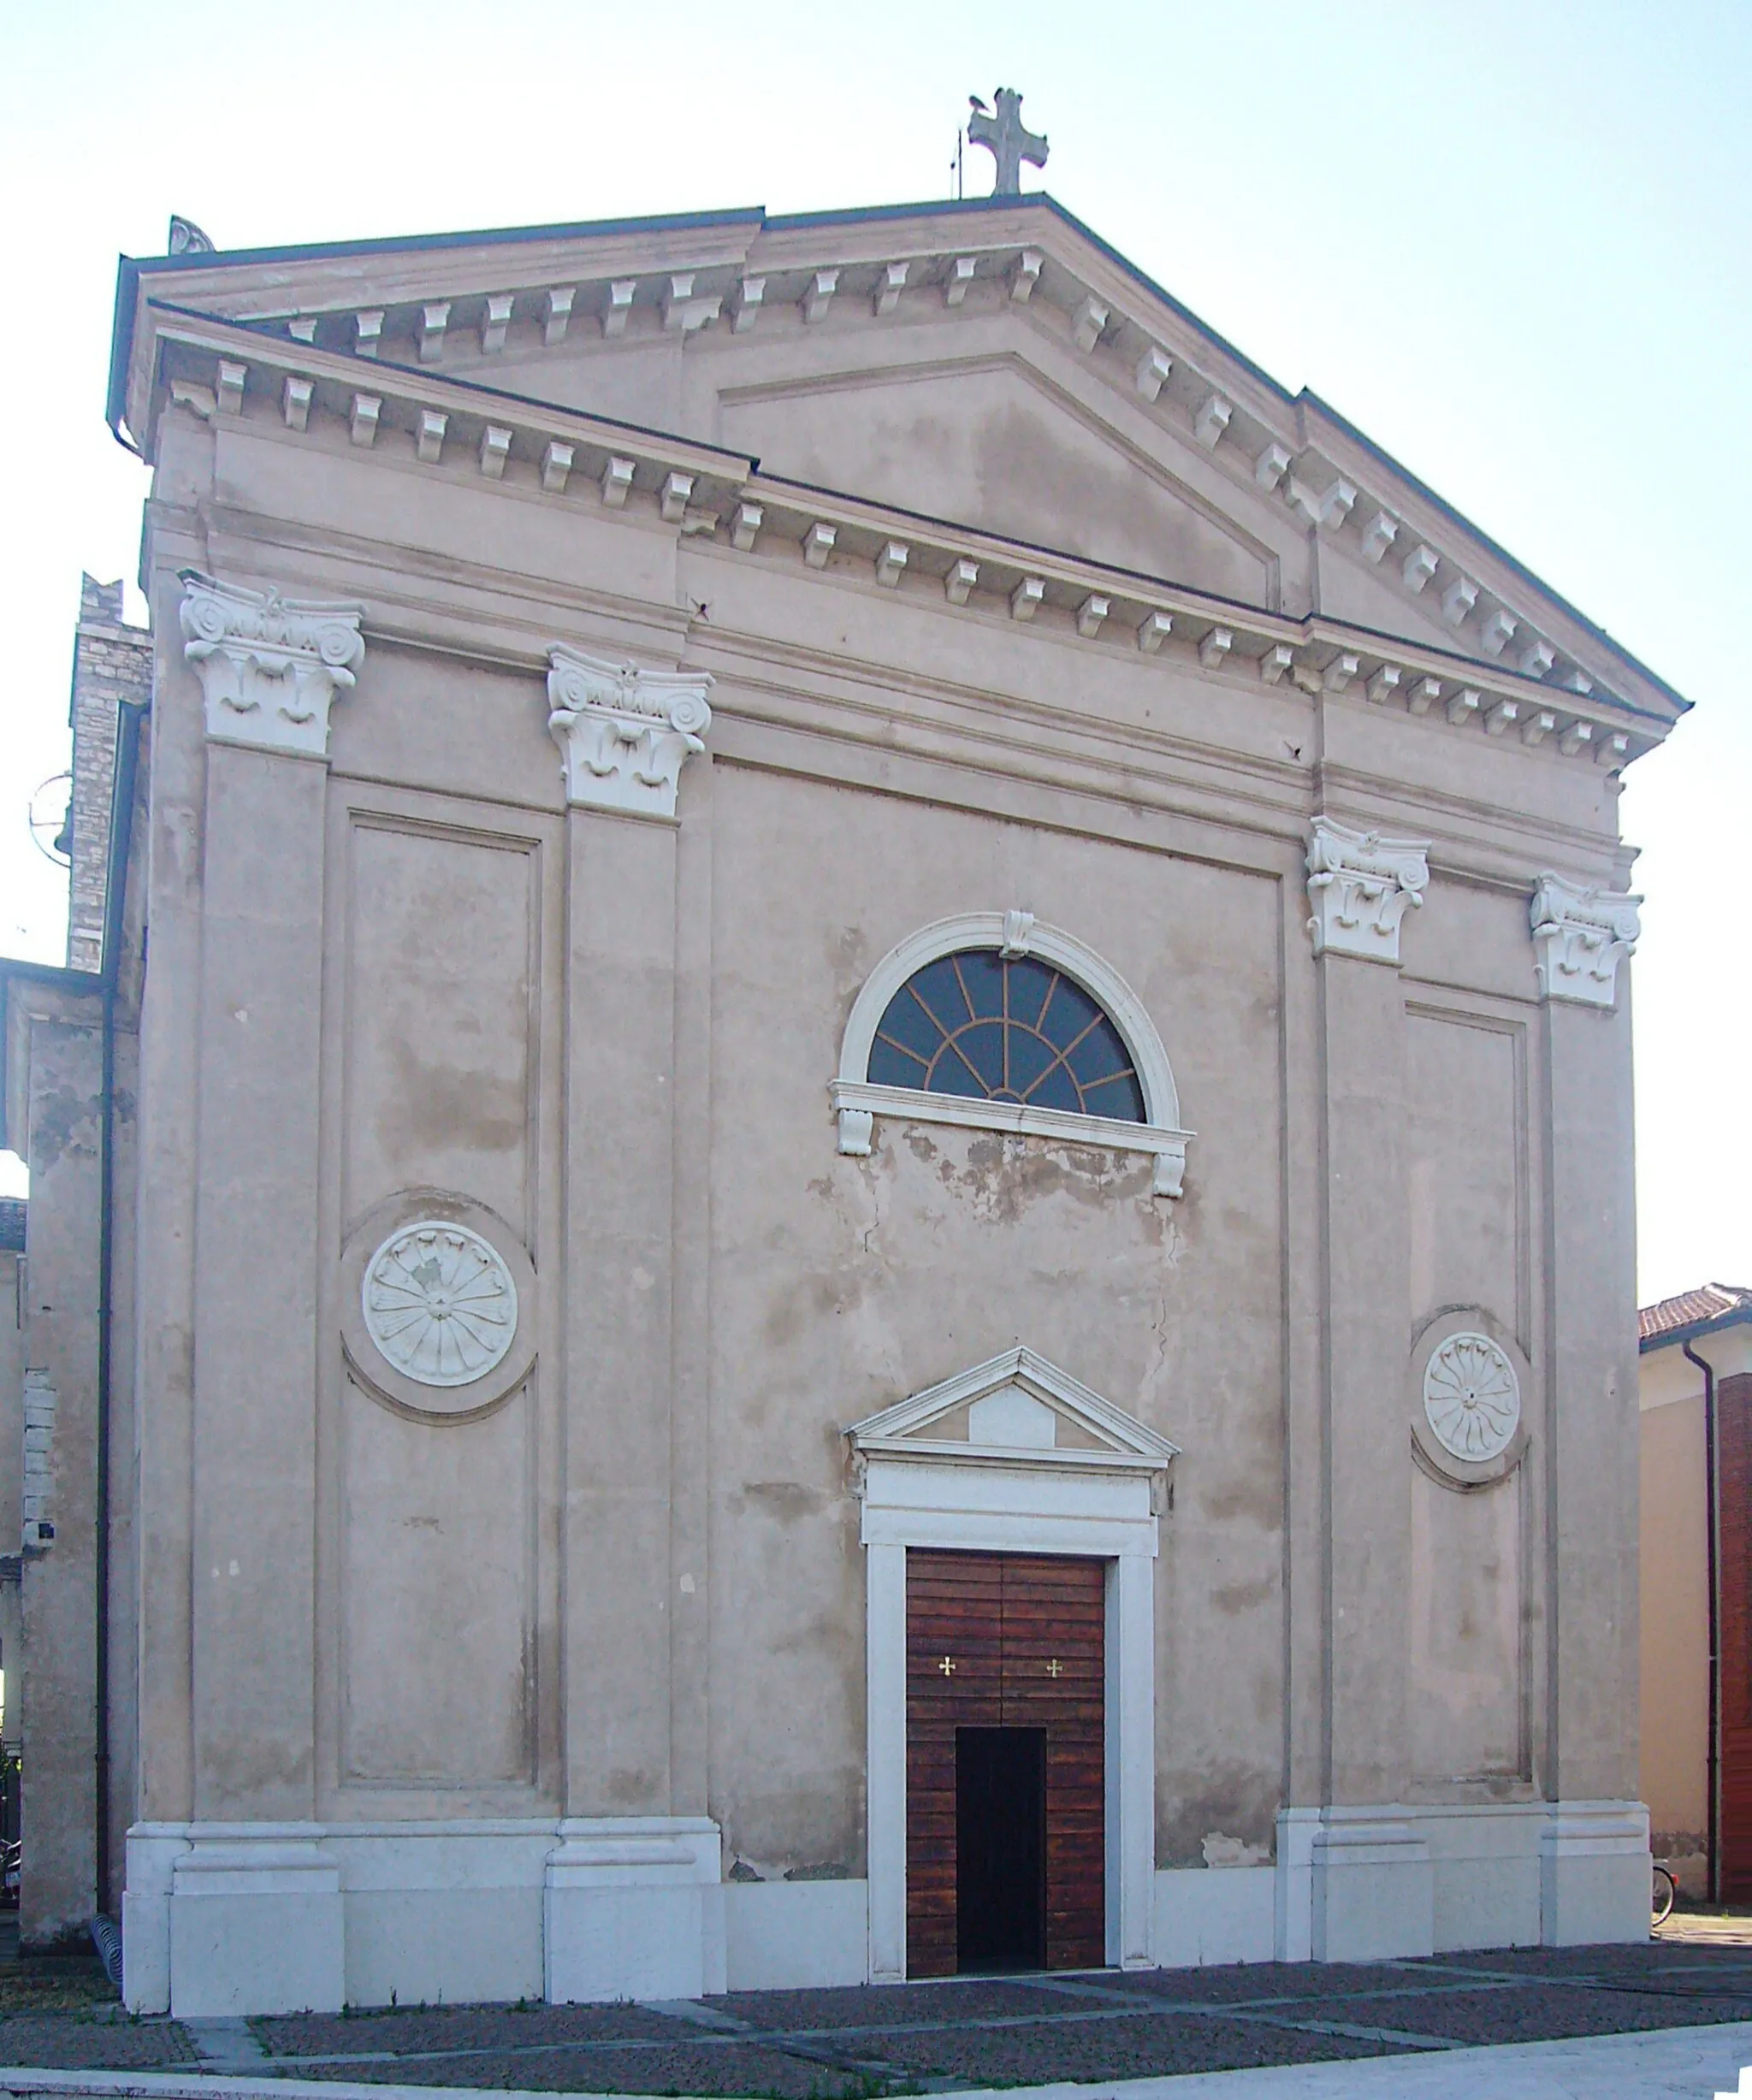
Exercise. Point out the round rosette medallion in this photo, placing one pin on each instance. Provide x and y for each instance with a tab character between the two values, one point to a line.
1468	1378
437	1305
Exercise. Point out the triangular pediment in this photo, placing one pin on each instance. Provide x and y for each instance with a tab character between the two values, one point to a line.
989	364
994	437
1016	1407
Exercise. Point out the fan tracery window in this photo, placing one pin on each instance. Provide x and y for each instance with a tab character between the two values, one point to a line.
995	1021
993	1027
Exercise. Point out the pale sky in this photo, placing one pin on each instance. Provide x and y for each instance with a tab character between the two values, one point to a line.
1509	240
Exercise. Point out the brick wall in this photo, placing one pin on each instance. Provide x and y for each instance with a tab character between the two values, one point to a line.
1733	1419
112	663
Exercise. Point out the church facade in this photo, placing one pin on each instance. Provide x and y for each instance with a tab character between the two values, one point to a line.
880	1217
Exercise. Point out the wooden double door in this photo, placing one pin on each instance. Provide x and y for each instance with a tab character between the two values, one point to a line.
1006	1763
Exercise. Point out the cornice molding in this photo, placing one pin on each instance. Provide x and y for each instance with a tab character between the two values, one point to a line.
690	282
623	732
718	500
803	692
269	667
1580	936
1360	886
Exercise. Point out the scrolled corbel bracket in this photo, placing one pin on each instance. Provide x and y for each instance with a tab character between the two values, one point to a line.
624	732
1580	936
1360	886
270	667
855	1129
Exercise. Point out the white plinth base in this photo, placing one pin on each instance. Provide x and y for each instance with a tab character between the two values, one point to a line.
1593	1874
633	1908
229	1919
1362	1883
255	1927
1374	1893
1206	1916
795	1935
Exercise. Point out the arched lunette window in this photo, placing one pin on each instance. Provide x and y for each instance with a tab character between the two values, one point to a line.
993	1021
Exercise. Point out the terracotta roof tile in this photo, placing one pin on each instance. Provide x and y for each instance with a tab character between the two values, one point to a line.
1709	1301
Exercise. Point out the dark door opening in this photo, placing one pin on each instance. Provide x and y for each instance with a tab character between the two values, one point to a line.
1000	1832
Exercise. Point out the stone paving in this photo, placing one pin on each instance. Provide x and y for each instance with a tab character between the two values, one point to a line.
858	2044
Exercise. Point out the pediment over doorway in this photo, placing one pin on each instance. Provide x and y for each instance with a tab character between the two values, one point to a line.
1015	1408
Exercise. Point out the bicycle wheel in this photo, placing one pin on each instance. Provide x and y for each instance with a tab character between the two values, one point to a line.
1665	1890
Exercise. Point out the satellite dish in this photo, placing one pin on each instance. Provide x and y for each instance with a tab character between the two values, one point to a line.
51	821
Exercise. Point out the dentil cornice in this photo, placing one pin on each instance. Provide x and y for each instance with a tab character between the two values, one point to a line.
1360	886
269	666
843	274
711	498
623	732
1579	938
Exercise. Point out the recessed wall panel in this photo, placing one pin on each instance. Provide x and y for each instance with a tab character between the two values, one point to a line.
437	1541
438	1670
1465	1155
1465	1703
441	1026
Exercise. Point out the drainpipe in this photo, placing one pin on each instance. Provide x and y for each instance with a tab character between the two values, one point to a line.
115	898
1713	1756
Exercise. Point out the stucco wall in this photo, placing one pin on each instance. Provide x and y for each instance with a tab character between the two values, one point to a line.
1675	1645
840	1284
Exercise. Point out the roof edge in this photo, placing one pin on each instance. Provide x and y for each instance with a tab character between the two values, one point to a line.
1495	548
132	272
1735	1316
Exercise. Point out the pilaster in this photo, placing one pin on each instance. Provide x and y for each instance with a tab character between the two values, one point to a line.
1591	1472
164	1266
691	1600
269	669
611	721
1360	887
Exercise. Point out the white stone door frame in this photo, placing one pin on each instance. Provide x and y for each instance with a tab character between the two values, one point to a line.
998	1507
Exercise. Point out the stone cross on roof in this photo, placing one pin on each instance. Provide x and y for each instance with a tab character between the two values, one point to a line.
1004	137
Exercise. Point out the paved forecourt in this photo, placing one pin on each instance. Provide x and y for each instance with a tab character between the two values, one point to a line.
1692	2064
1660	2017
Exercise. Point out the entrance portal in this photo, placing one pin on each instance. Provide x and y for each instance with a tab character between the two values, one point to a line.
1006	1775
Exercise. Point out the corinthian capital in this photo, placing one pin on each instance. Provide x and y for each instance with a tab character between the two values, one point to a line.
269	666
623	732
1579	938
1360	886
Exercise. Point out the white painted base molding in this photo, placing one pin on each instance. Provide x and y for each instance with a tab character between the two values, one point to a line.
1206	1916
227	1918
1373	1889
256	1927
796	1935
1356	1884
633	1908
1593	1871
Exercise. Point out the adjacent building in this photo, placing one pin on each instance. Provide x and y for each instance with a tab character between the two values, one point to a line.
1696	1563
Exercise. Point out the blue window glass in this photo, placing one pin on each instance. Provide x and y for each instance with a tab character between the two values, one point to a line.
989	1028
